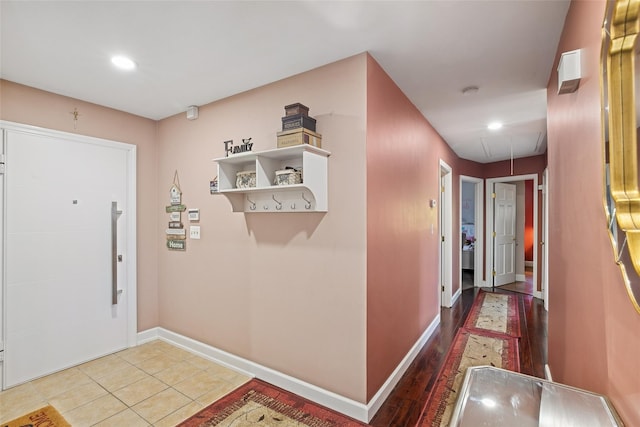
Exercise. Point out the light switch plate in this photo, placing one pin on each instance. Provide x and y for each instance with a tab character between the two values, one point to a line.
194	231
194	214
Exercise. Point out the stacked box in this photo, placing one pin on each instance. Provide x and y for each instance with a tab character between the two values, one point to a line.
298	128
298	121
299	136
294	109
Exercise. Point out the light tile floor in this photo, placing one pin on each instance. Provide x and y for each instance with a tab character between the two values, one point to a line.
152	384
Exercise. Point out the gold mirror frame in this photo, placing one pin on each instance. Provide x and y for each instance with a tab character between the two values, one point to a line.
622	194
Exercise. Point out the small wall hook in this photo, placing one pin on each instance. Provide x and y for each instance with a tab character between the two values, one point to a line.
279	204
308	204
253	204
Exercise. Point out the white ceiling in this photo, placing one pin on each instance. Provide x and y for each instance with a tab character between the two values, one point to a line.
196	52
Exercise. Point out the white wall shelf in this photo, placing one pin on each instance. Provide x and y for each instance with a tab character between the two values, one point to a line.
309	196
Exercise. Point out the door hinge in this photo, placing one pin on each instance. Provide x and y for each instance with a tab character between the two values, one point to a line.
1	163
442	238
494	273
494	234
442	189
442	288
493	195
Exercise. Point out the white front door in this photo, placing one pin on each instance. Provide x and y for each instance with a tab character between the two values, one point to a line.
504	247
59	291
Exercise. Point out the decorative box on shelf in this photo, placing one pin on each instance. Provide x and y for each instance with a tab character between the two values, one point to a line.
299	136
297	121
245	179
298	128
288	176
309	195
297	108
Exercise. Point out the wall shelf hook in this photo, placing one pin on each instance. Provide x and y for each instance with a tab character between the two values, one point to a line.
253	204
308	204
279	203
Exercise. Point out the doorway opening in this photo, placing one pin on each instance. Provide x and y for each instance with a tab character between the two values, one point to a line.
445	222
471	232
512	221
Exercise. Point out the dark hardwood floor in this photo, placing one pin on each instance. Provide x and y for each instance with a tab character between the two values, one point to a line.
403	406
525	287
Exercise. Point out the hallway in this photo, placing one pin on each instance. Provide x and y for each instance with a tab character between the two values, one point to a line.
159	384
405	403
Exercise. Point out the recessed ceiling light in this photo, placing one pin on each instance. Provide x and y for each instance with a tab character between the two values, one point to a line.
494	125
123	62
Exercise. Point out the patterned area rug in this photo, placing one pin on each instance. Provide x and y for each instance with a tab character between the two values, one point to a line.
47	416
469	349
490	337
496	313
258	403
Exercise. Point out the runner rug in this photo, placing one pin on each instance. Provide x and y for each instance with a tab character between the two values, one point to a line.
495	313
490	337
469	348
47	416
258	403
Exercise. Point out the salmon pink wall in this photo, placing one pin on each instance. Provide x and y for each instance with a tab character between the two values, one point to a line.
23	104
403	174
522	166
594	332
285	290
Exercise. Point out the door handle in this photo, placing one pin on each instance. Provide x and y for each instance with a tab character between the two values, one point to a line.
114	252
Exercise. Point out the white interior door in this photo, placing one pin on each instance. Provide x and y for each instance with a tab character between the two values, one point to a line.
504	247
58	239
545	239
443	247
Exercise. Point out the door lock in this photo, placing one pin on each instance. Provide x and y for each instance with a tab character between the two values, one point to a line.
119	258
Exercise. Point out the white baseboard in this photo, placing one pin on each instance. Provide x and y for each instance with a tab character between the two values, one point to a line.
521	278
456	296
378	399
547	372
148	335
309	391
327	398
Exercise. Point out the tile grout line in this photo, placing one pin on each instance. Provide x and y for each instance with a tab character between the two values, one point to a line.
96	375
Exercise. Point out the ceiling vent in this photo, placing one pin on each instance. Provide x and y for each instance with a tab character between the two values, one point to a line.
569	72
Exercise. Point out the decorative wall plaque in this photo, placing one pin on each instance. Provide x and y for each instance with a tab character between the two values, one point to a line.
177	245
176	234
245	147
